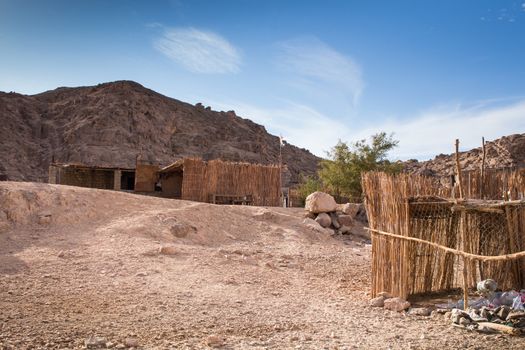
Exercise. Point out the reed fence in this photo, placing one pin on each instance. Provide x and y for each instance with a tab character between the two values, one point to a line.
422	236
202	179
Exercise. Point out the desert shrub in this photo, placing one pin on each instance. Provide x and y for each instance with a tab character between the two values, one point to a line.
340	173
309	184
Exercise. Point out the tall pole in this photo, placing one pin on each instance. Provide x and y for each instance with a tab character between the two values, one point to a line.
281	169
483	155
463	231
458	171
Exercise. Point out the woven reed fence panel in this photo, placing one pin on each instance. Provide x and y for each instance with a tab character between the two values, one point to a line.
416	206
388	210
494	183
194	180
202	179
429	269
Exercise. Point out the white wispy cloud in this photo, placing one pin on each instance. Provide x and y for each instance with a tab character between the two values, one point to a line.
199	51
301	125
315	62
422	136
433	131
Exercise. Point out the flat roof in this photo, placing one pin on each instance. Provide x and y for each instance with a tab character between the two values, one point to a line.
92	167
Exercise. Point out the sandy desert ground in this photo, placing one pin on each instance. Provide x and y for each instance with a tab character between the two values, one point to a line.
108	269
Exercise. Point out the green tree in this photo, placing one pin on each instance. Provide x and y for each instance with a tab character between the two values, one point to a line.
308	185
340	174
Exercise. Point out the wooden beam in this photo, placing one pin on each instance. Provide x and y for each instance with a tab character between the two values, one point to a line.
505	257
500	328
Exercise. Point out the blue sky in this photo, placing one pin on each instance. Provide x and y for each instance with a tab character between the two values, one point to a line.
313	71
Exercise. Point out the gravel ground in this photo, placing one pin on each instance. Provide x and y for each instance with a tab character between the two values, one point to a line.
82	266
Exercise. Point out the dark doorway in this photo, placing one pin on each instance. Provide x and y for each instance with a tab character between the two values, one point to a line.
127	180
172	184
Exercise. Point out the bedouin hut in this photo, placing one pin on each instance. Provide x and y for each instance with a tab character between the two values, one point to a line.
193	179
426	240
221	182
92	176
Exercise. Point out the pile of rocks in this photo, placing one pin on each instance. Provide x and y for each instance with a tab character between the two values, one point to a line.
323	208
503	319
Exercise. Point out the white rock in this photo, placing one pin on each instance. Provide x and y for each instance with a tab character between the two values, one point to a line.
320	202
324	220
396	304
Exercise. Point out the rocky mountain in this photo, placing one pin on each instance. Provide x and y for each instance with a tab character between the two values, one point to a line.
111	124
507	151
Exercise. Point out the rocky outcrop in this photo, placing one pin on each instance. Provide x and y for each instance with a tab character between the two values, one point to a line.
507	151
323	209
111	124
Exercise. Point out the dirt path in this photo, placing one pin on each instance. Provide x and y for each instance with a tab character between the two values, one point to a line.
231	277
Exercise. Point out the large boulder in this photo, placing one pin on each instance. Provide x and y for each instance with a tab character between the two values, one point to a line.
345	220
349	208
314	226
324	220
320	202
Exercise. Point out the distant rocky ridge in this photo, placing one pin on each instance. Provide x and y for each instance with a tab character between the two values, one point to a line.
507	151
112	123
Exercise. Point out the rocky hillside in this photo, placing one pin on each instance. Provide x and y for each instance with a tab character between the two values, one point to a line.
507	151
111	124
